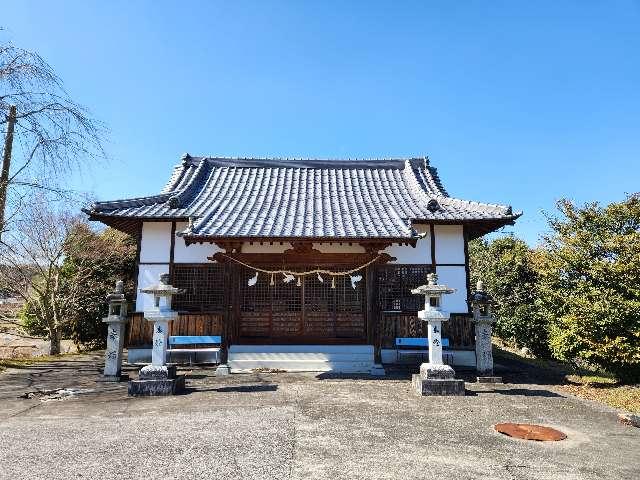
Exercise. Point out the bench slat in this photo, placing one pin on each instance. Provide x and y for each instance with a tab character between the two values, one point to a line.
194	339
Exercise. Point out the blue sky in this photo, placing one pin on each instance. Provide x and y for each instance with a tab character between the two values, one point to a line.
514	102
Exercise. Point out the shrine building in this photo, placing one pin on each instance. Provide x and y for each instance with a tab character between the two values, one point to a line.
304	264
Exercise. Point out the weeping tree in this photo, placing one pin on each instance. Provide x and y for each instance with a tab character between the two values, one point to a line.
32	254
46	135
62	269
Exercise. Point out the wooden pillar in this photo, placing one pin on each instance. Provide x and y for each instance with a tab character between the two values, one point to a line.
467	270
371	309
172	252
136	271
432	236
227	317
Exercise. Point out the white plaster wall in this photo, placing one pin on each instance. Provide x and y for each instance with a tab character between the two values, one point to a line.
454	277
147	275
155	242
449	244
337	248
194	253
406	254
248	247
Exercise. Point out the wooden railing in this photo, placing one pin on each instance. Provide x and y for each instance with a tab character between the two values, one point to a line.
139	331
459	329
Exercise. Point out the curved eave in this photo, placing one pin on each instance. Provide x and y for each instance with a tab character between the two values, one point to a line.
128	225
477	228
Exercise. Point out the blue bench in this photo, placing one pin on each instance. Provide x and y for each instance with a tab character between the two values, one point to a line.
420	346
213	353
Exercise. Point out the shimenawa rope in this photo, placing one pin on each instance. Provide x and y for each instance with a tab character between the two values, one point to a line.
300	274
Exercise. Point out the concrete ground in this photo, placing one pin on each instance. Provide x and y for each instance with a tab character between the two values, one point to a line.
272	426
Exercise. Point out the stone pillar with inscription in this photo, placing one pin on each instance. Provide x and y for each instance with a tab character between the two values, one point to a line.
116	321
159	378
483	320
435	378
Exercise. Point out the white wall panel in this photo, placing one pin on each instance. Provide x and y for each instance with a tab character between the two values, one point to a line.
406	254
449	244
148	275
194	253
155	242
454	277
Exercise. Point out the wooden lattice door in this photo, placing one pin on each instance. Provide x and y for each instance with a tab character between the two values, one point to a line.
312	312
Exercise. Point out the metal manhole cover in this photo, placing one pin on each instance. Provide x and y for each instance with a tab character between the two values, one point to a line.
527	431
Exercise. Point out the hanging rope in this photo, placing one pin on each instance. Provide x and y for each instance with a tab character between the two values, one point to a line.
310	272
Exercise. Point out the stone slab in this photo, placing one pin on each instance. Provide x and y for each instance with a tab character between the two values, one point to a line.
156	388
491	379
437	387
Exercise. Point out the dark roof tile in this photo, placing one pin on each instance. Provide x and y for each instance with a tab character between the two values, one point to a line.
304	198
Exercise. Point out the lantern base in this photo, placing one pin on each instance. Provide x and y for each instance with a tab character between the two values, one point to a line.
437	379
437	387
155	381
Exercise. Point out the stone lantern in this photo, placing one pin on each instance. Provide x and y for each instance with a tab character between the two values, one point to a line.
435	378
483	319
116	321
159	378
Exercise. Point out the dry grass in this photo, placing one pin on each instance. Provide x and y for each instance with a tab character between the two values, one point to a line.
605	390
588	383
25	362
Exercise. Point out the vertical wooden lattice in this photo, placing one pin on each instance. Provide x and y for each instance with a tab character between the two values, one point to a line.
203	286
394	287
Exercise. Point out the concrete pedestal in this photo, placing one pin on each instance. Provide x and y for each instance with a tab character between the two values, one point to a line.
223	370
436	379
157	381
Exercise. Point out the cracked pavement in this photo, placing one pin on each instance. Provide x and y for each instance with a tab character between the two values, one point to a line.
294	426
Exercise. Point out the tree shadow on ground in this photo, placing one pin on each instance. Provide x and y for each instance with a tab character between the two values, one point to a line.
231	389
521	392
247	388
519	371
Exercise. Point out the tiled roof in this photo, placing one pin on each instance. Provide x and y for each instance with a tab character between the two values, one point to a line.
275	198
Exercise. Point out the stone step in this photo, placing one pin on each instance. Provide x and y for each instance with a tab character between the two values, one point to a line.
239	366
302	358
308	356
303	348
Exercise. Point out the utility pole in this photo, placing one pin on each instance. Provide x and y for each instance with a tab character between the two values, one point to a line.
6	164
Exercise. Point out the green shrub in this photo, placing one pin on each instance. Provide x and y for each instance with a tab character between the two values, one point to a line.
507	267
93	264
589	273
